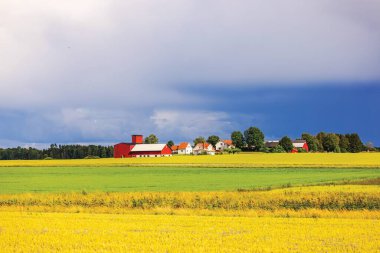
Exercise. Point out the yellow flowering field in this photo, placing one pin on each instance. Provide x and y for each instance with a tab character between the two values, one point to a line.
312	201
331	218
52	232
239	160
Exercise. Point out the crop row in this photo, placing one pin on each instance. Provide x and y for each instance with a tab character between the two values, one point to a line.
331	198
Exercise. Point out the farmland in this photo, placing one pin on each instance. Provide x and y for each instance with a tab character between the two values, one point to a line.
335	218
252	160
231	203
34	232
132	179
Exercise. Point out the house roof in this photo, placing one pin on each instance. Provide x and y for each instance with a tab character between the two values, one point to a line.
148	147
298	144
203	145
174	147
228	142
299	141
183	145
271	144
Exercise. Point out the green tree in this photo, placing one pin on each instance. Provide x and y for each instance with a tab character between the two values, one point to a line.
199	139
170	144
213	140
356	145
311	141
237	139
320	137
254	138
330	142
103	152
286	143
344	143
151	139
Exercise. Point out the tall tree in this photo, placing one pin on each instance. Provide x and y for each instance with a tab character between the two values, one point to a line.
170	144
311	141
286	143
254	138
356	145
330	143
151	139
320	137
213	140
344	143
199	139
237	139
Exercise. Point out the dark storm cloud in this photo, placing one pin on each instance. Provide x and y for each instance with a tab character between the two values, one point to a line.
89	70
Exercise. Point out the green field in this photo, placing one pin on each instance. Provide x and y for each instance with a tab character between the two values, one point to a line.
133	179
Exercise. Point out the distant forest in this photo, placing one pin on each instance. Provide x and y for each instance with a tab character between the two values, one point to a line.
57	152
252	139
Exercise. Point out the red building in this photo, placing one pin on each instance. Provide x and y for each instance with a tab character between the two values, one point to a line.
136	148
300	144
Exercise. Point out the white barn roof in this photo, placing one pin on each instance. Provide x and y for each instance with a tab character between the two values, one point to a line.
148	147
298	145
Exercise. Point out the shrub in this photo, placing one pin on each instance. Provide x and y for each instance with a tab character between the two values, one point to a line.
278	149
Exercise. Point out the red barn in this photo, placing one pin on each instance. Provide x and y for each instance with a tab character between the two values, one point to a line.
300	144
137	149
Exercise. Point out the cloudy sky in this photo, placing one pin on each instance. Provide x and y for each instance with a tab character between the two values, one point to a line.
96	71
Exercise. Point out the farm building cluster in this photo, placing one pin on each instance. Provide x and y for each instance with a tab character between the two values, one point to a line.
137	148
297	144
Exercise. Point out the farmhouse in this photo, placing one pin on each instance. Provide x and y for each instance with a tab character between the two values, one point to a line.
221	145
204	148
136	148
184	148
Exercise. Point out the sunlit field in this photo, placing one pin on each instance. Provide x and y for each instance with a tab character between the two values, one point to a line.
239	160
340	218
308	201
47	232
226	203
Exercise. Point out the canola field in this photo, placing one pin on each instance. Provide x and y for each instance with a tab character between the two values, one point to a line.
228	203
47	232
249	160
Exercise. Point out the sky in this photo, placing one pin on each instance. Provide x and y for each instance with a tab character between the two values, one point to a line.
97	71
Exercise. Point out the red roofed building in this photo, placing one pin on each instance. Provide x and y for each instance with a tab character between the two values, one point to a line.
136	148
221	145
203	148
174	149
184	148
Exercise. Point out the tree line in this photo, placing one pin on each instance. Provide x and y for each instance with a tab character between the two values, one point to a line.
253	139
57	152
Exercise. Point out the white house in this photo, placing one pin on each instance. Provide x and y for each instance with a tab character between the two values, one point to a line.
184	148
221	145
203	148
